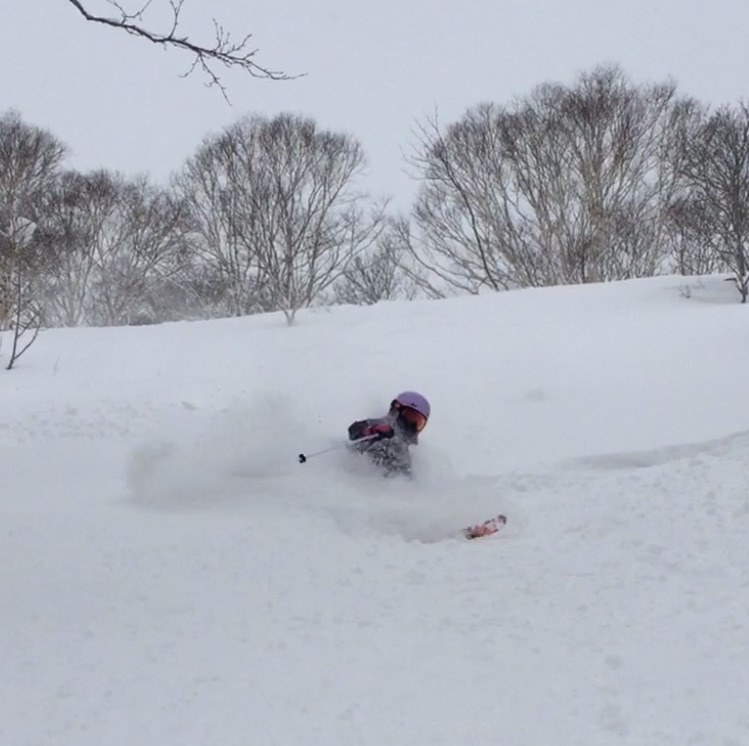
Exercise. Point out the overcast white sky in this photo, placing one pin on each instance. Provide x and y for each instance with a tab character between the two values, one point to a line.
374	67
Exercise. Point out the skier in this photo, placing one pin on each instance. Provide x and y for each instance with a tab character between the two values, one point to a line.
386	440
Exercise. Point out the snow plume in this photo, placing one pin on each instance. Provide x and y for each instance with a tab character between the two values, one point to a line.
221	460
346	489
247	454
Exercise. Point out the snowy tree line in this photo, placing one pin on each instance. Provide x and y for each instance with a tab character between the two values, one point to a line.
599	180
603	180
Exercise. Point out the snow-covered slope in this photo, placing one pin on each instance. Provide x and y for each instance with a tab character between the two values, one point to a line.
171	575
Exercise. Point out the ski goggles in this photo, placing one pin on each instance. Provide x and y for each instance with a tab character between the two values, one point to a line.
415	420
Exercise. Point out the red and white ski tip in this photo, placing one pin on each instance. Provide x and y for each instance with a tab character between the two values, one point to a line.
487	528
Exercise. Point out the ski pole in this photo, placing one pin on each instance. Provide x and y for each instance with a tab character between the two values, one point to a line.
304	456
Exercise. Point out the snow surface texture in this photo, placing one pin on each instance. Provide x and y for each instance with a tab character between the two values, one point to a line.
172	575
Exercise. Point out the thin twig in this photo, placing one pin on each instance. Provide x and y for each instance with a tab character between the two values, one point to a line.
225	51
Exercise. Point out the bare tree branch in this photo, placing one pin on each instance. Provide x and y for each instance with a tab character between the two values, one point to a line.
224	51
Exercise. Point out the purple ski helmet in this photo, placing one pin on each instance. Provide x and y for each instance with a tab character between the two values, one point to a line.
415	402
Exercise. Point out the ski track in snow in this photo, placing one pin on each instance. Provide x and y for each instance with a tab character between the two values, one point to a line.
171	575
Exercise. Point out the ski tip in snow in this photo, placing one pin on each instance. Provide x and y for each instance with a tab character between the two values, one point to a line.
487	528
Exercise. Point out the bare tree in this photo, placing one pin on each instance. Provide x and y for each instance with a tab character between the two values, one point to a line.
716	171
77	211
279	213
29	158
567	185
377	275
694	246
25	318
140	248
224	51
459	213
116	241
420	274
622	141
227	266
